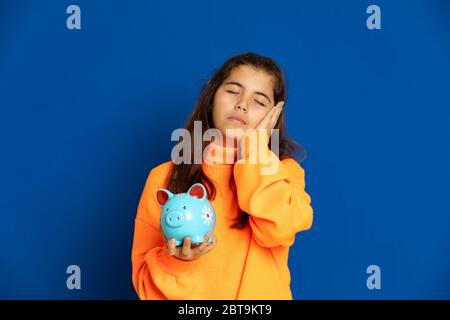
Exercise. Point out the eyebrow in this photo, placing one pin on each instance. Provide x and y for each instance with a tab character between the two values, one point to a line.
257	92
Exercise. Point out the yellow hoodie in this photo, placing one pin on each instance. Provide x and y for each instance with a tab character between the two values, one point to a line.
249	263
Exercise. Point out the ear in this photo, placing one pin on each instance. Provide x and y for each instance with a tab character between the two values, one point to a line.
162	195
197	190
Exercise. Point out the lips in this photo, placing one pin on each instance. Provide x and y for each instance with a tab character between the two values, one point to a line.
237	119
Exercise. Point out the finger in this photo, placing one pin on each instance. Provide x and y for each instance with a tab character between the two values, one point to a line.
271	113
276	116
280	104
279	108
212	244
264	124
209	246
186	249
274	119
171	249
204	244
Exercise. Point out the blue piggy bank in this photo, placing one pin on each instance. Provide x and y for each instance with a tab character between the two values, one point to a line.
187	214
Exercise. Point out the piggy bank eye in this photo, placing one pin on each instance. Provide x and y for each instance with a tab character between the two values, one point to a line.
184	207
167	209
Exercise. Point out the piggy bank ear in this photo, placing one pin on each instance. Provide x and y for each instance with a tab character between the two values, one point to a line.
197	190
162	195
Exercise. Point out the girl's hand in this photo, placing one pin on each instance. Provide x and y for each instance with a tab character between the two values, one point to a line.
270	119
189	251
267	123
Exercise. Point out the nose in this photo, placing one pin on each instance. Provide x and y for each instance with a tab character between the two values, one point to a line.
175	219
241	107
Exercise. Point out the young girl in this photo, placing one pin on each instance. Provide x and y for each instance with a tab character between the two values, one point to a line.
257	215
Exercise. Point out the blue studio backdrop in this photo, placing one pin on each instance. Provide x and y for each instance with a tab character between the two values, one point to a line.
86	113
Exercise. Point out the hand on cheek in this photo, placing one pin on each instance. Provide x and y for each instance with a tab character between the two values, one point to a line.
270	119
267	123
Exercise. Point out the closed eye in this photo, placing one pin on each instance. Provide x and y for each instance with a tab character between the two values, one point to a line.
260	103
232	92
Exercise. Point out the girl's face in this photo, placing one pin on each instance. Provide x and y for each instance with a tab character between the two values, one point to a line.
243	99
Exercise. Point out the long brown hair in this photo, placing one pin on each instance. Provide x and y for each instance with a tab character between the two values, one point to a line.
183	176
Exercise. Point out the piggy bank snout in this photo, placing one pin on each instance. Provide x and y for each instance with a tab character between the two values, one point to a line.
175	219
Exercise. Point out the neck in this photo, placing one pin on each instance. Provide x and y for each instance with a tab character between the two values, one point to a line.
221	153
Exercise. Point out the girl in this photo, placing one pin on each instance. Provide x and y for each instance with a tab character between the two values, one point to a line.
257	215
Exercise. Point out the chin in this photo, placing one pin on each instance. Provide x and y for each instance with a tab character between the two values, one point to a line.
236	135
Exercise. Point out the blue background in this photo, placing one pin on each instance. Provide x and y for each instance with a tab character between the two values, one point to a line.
86	114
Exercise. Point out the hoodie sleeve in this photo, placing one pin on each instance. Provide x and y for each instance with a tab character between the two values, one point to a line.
273	193
155	274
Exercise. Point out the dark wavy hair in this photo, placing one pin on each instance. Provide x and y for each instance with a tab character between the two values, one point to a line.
182	175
